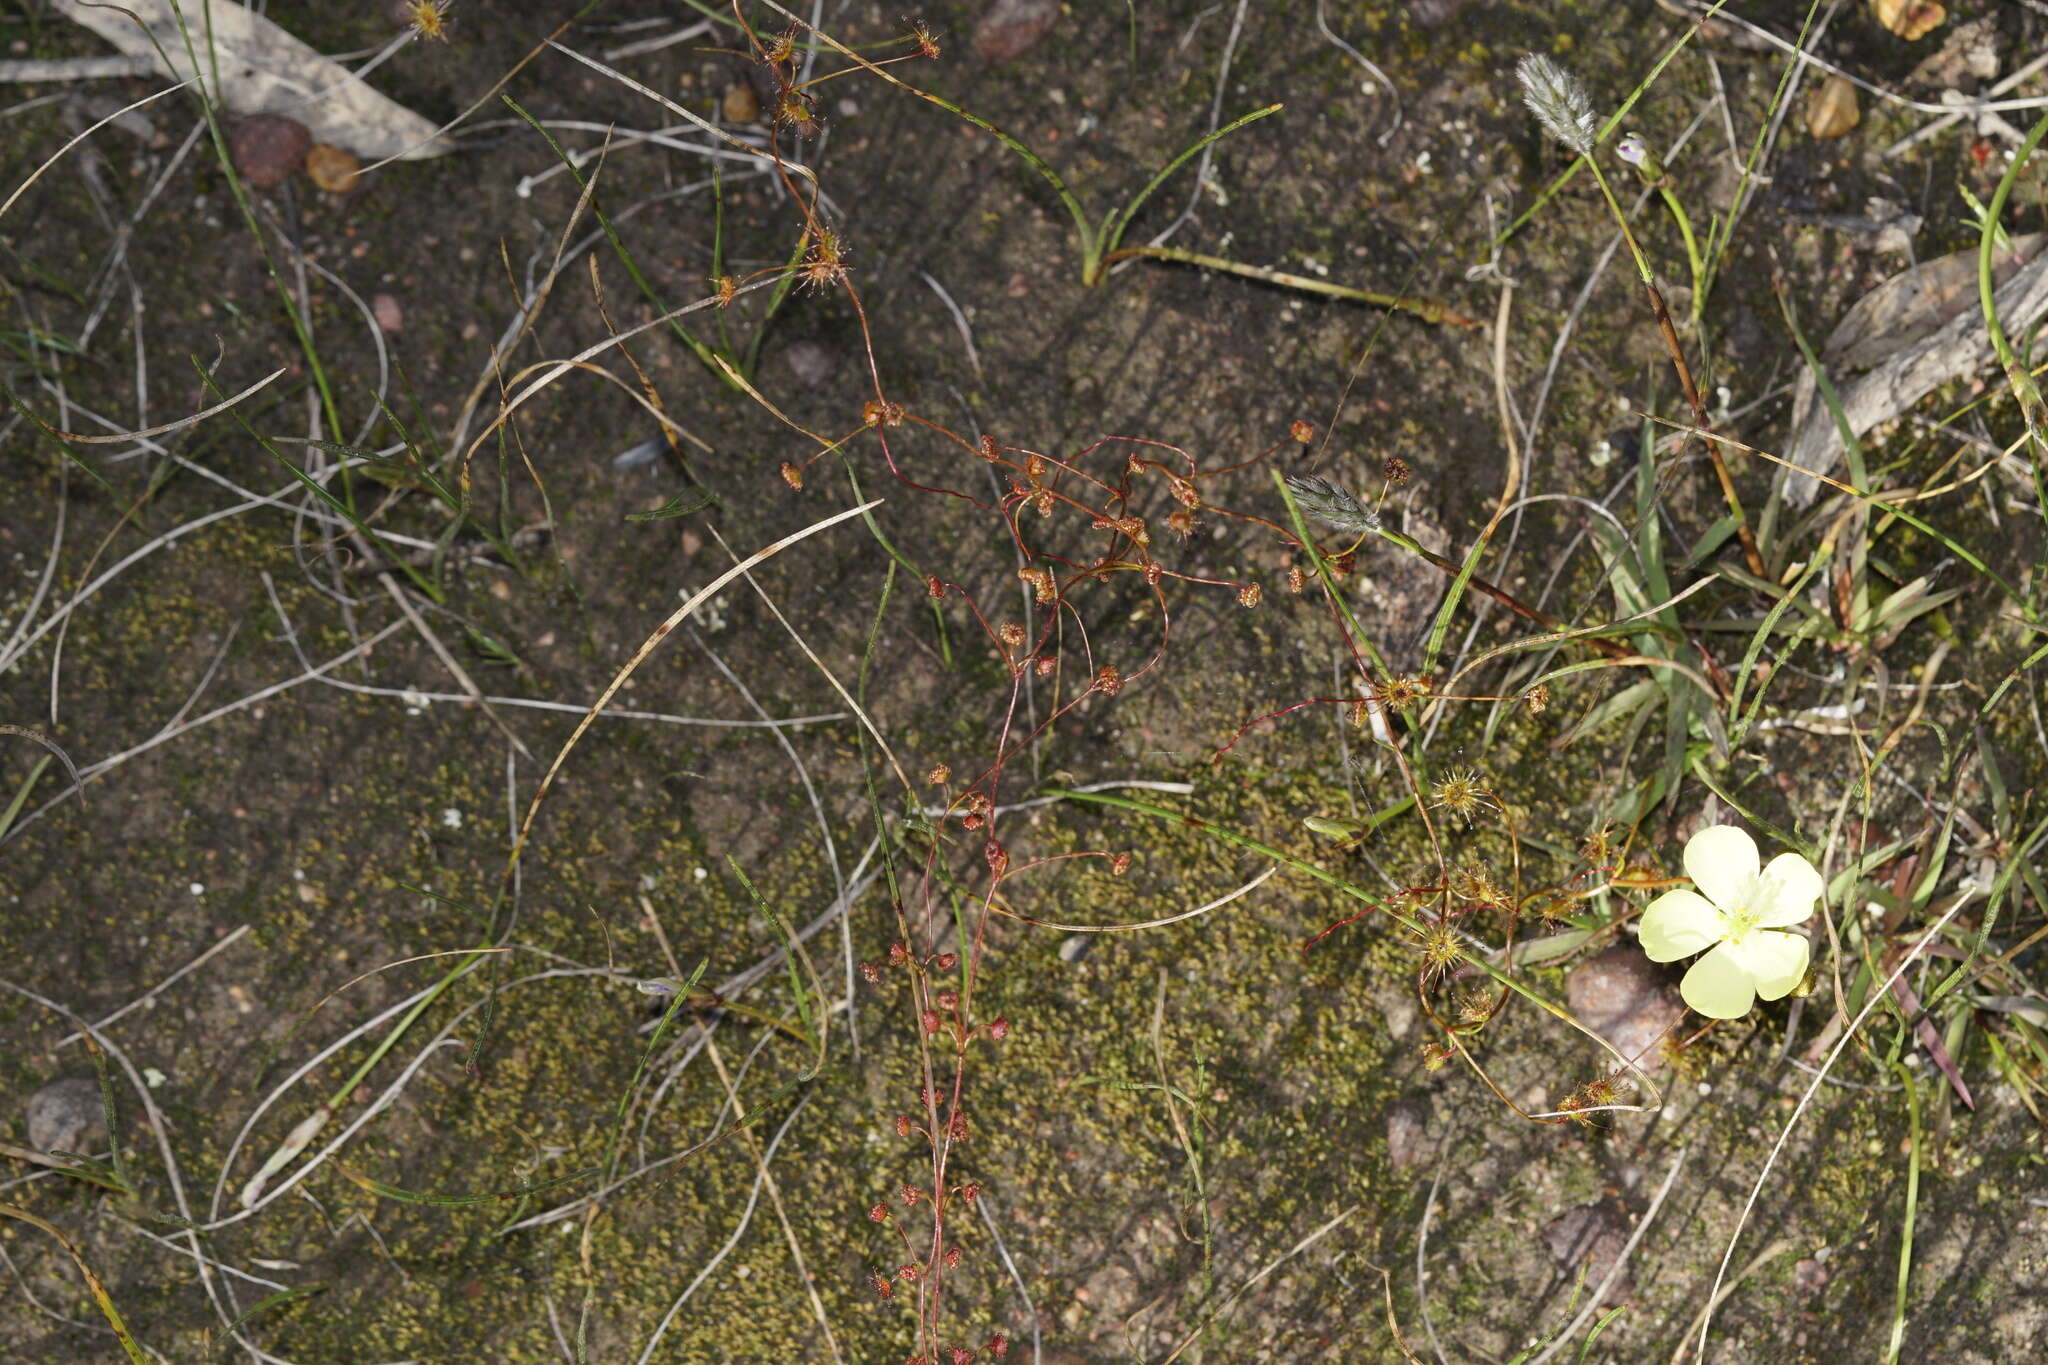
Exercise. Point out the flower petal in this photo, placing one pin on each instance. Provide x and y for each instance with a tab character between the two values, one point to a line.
1678	924
1786	893
1718	987
1774	960
1722	862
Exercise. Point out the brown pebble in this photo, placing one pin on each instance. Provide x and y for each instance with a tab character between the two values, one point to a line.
741	104
1592	1236
1409	1142
65	1116
1010	28
389	315
1626	999
333	169
269	148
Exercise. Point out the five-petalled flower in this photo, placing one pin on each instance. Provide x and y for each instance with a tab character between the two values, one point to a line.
1739	917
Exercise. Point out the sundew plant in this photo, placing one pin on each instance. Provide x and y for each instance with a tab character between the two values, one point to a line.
1159	681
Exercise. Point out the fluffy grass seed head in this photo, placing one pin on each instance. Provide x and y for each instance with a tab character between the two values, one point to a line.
1558	101
1328	503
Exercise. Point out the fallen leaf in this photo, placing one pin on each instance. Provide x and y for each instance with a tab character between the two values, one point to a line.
1831	109
263	70
333	169
1910	19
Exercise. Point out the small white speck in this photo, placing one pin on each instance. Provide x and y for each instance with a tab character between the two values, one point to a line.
1600	455
298	874
701	874
198	888
452	818
153	1078
1705	1088
415	702
1422	161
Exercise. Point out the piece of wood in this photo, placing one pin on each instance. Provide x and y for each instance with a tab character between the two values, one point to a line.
263	70
1915	332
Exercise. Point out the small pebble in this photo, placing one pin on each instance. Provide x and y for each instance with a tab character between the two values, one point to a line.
1010	28
1408	1140
65	1116
812	362
1626	999
390	317
740	105
1592	1235
268	148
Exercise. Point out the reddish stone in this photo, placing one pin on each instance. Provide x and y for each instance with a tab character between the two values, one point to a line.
1010	28
269	149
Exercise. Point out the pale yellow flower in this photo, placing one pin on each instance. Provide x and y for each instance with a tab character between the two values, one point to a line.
1738	916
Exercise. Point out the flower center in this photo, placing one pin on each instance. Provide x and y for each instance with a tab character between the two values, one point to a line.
1739	923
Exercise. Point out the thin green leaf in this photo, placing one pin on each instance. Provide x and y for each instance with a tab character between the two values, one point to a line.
681	505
